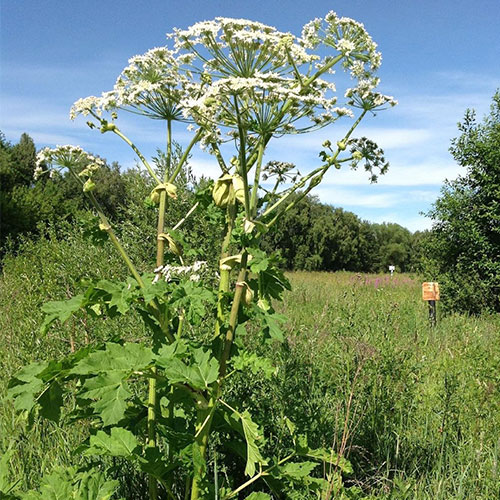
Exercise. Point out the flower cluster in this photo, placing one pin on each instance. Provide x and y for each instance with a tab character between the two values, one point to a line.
362	96
348	37
367	150
169	272
152	84
239	80
73	157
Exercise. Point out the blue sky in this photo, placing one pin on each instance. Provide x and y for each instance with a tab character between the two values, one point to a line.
439	58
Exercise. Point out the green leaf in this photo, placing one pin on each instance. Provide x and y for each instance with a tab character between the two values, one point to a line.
298	470
58	485
253	362
177	349
128	357
155	463
68	484
259	261
51	401
119	443
252	435
94	486
203	371
272	326
192	298
61	310
25	394
322	455
111	392
121	295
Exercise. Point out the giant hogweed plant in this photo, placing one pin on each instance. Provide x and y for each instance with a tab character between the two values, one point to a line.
162	405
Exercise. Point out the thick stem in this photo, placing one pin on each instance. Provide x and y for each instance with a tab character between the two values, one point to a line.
224	273
256	181
233	318
160	251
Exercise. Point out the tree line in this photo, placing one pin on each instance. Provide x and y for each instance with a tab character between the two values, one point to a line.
313	236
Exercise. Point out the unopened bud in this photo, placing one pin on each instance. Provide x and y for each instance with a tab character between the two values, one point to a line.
88	186
223	191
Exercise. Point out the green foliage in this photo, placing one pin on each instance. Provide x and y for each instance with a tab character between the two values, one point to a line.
463	248
314	236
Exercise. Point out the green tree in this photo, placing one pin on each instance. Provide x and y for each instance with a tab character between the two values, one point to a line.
464	247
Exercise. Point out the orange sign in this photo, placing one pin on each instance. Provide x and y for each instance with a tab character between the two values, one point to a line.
430	291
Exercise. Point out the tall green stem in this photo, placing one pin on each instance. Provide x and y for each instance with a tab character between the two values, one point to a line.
106	226
233	317
160	258
243	159
256	181
120	134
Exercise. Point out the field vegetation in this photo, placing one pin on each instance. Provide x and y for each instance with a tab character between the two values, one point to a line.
415	409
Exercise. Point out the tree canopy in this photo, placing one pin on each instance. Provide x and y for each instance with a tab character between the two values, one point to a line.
464	245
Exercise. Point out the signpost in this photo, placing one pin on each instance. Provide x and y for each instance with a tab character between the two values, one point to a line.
430	293
392	269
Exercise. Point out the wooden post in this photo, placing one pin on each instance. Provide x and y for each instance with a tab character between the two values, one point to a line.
430	293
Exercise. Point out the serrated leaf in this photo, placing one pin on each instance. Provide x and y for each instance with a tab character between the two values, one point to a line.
119	443
155	463
127	358
322	455
95	486
192	298
24	395
60	310
297	470
331	458
203	371
166	353
253	362
111	392
272	325
252	435
121	294
58	485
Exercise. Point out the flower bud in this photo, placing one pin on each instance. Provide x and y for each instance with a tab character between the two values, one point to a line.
357	155
107	127
223	191
247	296
239	189
88	186
341	145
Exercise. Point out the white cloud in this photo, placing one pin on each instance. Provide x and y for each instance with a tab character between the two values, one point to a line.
340	197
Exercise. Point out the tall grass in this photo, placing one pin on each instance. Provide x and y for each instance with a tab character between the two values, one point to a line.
424	418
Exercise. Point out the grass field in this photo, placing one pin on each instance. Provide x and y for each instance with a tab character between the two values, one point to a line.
415	408
421	404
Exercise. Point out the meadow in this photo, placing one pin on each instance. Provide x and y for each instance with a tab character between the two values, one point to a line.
414	408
